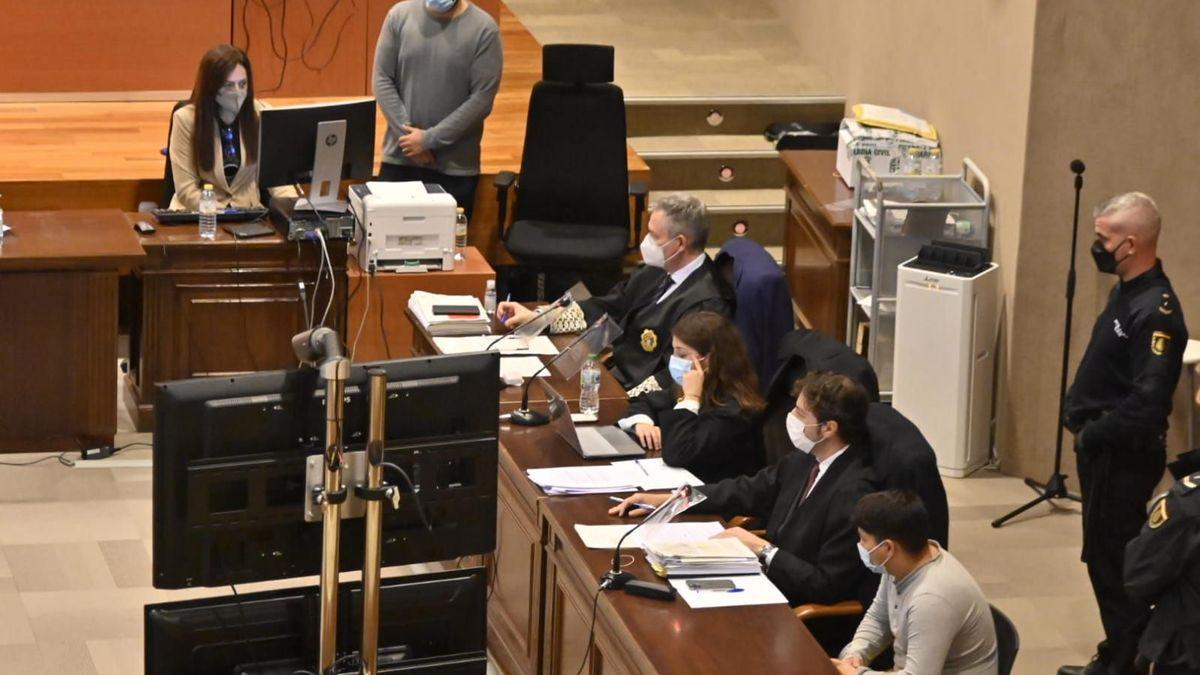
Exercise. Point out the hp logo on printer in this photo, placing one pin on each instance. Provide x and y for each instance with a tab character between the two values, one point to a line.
331	140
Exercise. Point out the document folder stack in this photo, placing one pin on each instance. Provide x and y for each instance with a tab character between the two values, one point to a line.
476	322
704	558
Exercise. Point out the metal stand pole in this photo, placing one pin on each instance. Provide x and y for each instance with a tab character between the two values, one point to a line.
374	525
335	371
1056	486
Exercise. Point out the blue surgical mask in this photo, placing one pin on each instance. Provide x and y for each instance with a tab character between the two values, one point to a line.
679	366
440	6
865	555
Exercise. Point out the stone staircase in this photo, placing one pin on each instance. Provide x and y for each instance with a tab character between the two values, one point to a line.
714	147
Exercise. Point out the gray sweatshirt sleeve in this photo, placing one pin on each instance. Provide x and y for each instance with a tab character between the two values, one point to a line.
874	633
485	81
931	625
387	87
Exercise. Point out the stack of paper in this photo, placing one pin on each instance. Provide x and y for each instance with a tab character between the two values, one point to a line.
618	477
705	557
509	344
607	536
474	323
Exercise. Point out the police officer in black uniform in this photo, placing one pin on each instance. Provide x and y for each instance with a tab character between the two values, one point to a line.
1118	408
1162	568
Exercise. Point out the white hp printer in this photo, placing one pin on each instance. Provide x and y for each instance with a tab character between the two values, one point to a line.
405	227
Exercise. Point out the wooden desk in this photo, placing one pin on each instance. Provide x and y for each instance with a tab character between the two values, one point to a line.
515	608
220	307
640	635
611	391
816	253
58	306
387	333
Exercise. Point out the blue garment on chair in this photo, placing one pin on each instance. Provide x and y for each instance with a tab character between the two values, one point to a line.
764	305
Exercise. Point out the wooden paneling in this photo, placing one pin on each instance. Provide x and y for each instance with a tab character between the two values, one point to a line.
107	46
310	48
58	307
386	331
817	240
220	307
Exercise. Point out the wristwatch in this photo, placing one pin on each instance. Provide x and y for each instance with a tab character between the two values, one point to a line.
765	555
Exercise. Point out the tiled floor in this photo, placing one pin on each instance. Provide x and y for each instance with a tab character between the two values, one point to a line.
75	568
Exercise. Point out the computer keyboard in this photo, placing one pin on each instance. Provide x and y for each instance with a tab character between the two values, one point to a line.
229	215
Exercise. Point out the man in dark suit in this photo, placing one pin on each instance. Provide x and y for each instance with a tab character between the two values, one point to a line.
806	500
678	277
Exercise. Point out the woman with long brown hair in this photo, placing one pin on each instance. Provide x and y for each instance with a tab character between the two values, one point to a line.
707	423
214	138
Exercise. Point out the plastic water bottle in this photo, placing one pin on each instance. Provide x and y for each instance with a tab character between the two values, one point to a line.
489	297
589	387
208	213
460	229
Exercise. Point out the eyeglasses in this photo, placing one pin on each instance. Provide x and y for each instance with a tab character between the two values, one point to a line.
240	85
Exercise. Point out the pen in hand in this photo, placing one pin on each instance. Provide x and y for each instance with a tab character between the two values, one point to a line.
635	505
504	316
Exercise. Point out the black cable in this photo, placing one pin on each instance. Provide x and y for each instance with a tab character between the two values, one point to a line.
61	457
587	653
131	445
311	42
416	495
387	348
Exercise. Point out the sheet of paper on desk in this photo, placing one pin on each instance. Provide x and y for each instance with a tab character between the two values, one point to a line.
538	346
657	475
753	590
520	367
607	536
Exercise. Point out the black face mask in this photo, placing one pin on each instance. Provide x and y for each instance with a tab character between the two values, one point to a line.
1106	261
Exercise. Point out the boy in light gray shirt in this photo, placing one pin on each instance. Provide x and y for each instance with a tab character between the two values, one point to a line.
437	70
928	607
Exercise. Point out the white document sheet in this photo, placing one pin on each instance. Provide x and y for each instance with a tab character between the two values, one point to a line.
520	367
754	589
537	346
607	536
654	474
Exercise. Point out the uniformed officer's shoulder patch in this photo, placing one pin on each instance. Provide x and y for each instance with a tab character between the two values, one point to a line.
1158	514
1165	307
1159	342
1190	482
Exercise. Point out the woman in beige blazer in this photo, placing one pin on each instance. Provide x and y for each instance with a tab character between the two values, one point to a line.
214	138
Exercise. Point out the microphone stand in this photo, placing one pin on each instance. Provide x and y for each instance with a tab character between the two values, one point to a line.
1056	487
525	417
614	578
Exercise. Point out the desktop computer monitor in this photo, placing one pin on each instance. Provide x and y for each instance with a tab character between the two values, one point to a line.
318	144
231	453
429	624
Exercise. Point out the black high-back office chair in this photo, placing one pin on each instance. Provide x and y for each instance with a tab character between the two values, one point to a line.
571	202
168	192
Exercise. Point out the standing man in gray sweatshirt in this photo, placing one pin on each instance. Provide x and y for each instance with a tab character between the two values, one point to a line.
437	69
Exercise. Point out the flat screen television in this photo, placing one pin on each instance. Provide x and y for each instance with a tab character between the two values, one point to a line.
428	624
230	456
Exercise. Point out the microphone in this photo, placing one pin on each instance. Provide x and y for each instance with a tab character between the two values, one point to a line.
317	346
1078	168
614	578
525	417
564	301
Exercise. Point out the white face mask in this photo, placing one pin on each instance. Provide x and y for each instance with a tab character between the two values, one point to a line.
229	104
865	556
652	253
795	430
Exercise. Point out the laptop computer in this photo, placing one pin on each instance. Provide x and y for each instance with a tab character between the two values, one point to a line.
590	442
